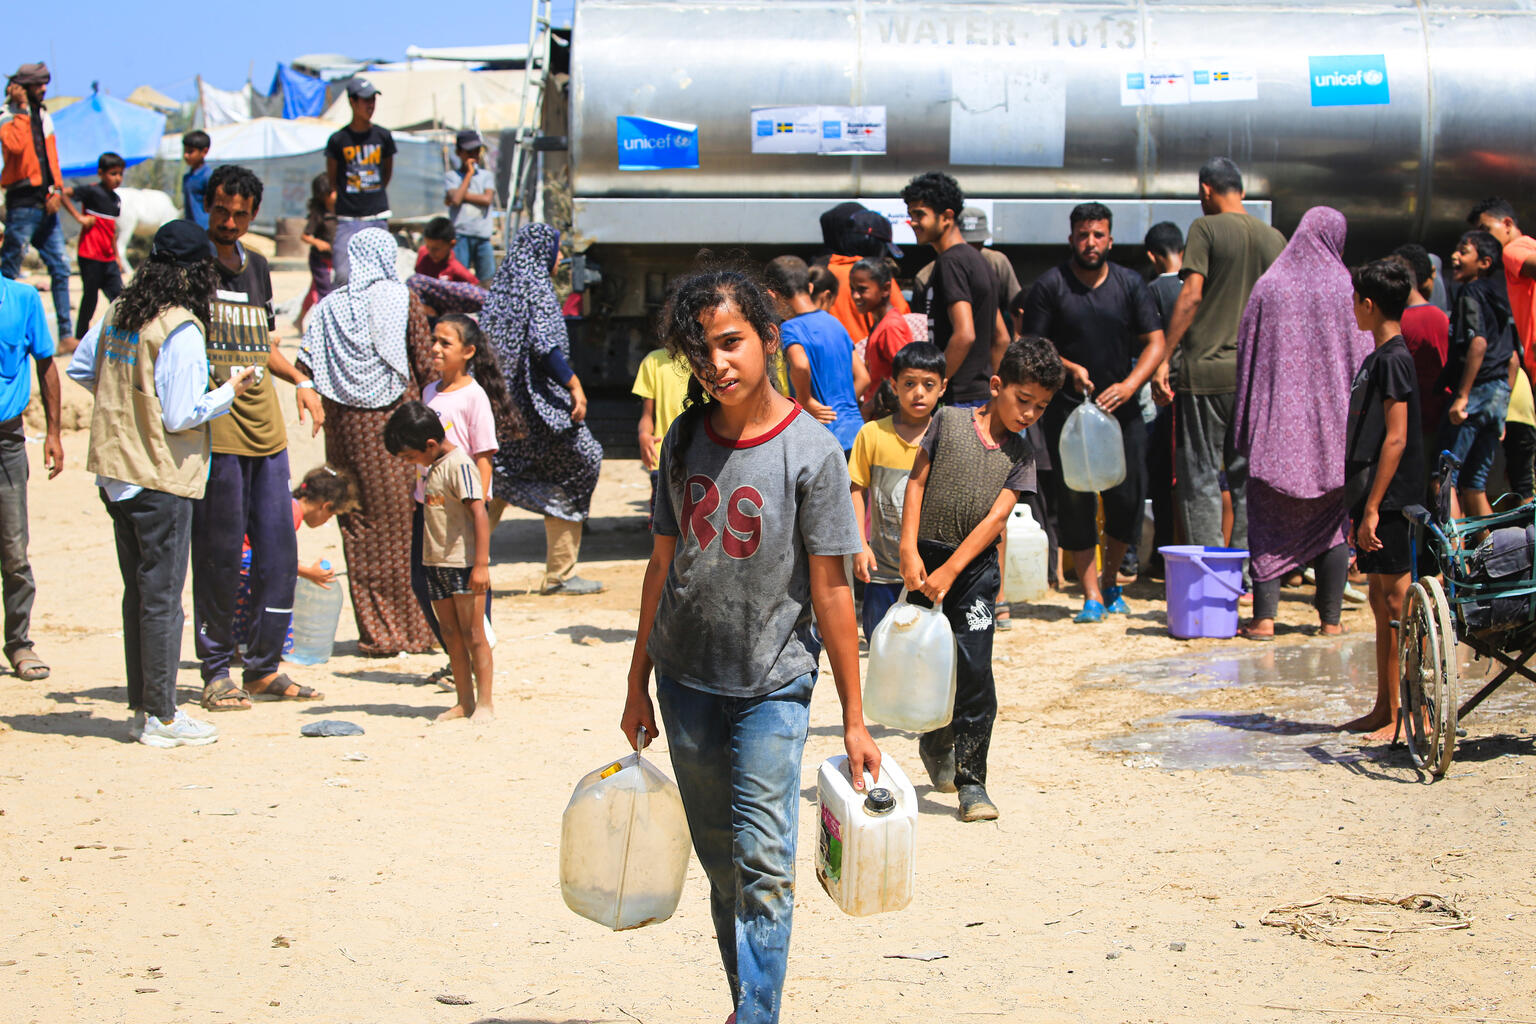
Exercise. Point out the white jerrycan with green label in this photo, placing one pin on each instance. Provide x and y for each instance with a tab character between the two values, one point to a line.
866	851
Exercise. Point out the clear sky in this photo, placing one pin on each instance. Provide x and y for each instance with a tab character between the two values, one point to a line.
166	43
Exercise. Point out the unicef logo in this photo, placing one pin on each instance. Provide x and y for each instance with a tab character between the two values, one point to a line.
1374	77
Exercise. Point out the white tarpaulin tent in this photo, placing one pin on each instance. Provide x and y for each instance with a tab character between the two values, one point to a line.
287	155
422	99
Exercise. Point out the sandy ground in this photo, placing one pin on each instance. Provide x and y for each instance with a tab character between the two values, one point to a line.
271	877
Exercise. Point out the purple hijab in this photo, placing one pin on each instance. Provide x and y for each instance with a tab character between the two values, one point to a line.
1297	350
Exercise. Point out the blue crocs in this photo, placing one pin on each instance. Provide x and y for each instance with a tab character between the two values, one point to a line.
1092	611
1114	602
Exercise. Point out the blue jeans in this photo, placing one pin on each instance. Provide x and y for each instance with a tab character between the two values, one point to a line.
30	225
737	762
1477	439
478	255
878	599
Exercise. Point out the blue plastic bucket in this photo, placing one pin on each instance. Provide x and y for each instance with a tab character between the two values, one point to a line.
1203	587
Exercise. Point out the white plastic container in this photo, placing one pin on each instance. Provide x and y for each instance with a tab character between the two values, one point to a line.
316	613
867	851
910	681
1024	575
624	845
1092	450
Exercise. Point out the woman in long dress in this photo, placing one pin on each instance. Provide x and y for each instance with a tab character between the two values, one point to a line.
1297	350
369	349
552	471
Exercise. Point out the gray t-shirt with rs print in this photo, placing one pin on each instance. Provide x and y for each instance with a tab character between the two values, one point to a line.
735	613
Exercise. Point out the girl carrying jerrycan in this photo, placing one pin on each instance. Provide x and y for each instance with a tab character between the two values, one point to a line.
752	524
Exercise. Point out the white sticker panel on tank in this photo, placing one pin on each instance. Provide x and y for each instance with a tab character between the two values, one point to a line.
1001	116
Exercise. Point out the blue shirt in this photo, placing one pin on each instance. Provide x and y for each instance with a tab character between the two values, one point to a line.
830	352
181	384
193	186
23	332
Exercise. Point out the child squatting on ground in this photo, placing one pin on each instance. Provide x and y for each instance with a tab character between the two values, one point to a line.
751	529
971	471
1384	470
456	543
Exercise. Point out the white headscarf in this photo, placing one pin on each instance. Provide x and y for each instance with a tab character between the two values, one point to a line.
354	342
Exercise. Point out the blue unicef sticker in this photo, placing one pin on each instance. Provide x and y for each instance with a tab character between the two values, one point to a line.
1202	78
764	128
1135	80
646	144
1357	81
831	129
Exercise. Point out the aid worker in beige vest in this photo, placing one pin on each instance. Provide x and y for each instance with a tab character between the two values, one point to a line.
147	364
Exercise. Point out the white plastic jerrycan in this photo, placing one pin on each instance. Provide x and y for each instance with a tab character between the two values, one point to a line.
1092	450
867	851
1024	575
624	845
910	681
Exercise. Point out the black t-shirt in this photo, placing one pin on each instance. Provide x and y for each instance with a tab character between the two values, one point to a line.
360	193
1098	328
1481	310
95	199
1387	373
961	274
1165	291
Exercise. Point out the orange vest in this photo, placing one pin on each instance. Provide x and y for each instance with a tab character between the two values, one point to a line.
21	164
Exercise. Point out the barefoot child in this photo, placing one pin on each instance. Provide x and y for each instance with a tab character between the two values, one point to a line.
881	462
751	527
456	542
1385	461
972	469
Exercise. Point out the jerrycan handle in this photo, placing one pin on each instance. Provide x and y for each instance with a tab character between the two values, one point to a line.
640	735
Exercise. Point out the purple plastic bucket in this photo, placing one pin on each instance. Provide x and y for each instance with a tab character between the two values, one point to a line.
1203	587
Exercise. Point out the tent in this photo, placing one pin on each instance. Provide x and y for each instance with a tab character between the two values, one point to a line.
154	99
303	95
436	98
286	156
99	123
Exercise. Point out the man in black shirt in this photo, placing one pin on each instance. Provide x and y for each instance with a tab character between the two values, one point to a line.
1100	315
963	318
360	160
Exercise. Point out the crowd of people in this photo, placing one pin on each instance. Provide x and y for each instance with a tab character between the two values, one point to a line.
805	426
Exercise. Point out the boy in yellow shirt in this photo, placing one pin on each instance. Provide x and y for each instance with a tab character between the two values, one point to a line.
661	383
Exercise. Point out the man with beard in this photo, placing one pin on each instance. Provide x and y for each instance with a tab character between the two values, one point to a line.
1105	324
247	496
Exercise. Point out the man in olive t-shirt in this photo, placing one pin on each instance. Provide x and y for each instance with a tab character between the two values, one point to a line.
1226	252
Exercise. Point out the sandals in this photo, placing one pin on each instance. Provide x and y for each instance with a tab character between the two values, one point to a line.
28	666
279	686
221	694
1002	616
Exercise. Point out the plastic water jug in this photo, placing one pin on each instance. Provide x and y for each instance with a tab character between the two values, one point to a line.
624	845
316	613
910	681
867	850
1024	575
1092	450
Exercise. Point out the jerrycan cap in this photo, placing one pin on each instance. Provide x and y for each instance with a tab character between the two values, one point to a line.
904	616
880	801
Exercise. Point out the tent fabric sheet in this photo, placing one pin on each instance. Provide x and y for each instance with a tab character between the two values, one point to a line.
99	123
303	95
415	99
219	107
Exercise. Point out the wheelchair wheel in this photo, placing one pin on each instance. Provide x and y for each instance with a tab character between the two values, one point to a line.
1427	669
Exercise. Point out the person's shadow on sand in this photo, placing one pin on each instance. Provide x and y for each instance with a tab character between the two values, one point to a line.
84	724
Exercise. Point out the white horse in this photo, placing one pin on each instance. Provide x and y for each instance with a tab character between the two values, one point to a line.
145	211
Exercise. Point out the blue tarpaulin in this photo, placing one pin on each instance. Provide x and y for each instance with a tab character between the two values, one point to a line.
99	123
303	95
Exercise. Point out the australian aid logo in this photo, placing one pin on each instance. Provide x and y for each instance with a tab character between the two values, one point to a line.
1349	81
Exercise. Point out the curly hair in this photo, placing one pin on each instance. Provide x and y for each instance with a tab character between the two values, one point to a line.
1032	360
682	330
935	190
158	286
328	485
486	369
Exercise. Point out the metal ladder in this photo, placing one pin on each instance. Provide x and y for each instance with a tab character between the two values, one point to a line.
523	186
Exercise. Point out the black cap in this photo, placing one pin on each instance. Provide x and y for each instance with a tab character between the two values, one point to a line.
468	139
879	801
876	226
181	242
361	88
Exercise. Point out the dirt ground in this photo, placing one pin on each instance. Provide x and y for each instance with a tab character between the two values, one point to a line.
270	877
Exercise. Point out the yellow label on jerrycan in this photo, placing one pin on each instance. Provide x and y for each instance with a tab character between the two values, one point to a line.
866	849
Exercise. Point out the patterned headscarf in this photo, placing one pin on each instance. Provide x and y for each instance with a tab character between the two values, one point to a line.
523	319
354	342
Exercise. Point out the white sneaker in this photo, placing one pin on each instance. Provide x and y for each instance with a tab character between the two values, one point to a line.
136	726
1354	595
182	731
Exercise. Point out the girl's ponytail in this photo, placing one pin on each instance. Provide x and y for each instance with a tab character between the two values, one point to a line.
485	368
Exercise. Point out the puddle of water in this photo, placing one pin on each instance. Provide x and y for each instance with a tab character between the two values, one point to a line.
1319	684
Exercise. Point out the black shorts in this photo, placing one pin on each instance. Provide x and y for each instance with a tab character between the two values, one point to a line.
1395	554
1077	513
444	581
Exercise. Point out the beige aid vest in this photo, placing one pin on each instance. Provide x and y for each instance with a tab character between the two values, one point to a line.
129	441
